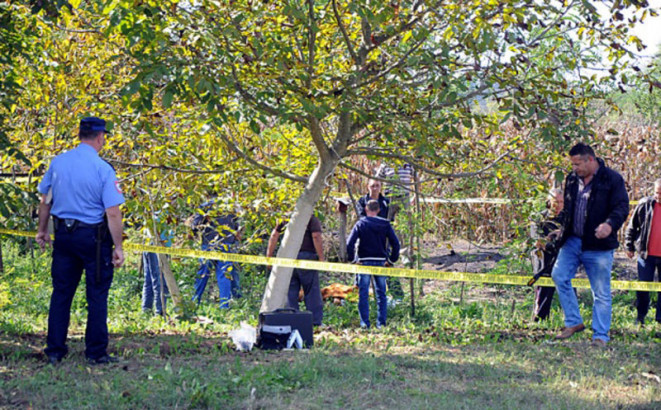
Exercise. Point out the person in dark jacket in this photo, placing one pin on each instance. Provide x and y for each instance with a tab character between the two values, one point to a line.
374	188
547	231
644	235
596	206
371	234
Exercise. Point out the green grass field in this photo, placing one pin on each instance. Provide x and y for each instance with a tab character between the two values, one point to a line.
481	353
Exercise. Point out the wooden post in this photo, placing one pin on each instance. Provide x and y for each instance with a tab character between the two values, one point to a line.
355	203
418	208
411	262
175	293
341	208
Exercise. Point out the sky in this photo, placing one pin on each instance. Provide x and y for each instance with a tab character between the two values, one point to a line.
650	31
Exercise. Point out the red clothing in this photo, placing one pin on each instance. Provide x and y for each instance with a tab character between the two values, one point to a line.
654	245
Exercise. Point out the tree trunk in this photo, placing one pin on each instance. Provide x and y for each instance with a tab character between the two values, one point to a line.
2	266
275	294
342	238
166	270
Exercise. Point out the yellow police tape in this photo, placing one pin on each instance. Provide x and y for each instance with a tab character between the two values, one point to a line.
520	280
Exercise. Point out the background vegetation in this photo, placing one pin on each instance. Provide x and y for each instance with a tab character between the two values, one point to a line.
276	106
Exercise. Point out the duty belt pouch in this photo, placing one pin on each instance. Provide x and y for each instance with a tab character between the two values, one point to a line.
280	320
70	224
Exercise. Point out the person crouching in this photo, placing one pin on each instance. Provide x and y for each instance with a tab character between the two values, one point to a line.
371	233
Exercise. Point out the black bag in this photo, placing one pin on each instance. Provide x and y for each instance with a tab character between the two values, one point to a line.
278	321
272	340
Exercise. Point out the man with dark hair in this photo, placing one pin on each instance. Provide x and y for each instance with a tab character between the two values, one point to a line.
546	233
596	206
371	234
81	192
644	235
312	248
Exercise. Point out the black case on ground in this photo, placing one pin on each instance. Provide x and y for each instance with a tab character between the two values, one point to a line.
301	321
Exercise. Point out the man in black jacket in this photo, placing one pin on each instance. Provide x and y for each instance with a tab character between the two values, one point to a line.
644	235
546	233
596	206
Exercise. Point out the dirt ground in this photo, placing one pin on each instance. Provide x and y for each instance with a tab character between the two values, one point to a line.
464	256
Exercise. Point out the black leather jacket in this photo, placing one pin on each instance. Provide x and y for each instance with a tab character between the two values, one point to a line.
608	202
637	235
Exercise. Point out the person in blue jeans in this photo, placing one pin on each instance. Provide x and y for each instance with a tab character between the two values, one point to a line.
372	233
596	206
219	233
155	289
643	234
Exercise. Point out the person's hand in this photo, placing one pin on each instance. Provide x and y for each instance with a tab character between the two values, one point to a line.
388	265
117	257
43	239
603	230
630	254
554	235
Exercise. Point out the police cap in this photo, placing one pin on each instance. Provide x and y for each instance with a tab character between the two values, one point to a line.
88	124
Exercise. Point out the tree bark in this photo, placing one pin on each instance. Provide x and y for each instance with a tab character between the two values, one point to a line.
275	294
2	266
166	270
342	237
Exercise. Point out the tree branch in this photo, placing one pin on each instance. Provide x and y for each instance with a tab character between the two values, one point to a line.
234	148
344	33
416	164
398	63
311	44
152	167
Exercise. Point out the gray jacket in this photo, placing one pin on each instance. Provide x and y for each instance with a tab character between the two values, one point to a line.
637	235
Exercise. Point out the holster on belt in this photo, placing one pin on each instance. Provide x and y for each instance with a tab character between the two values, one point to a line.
101	231
101	228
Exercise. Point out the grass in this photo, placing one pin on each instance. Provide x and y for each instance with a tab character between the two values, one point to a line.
482	353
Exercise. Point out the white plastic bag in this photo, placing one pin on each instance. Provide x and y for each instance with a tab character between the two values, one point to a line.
244	338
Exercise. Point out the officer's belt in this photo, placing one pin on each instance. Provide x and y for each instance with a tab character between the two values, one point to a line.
72	224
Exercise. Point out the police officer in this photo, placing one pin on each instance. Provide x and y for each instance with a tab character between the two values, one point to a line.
81	191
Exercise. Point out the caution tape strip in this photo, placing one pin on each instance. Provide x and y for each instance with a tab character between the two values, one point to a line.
519	280
436	200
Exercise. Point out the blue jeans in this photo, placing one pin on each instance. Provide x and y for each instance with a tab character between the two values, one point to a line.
151	290
646	268
224	273
363	297
598	265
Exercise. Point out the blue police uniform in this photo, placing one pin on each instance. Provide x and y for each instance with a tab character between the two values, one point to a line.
83	186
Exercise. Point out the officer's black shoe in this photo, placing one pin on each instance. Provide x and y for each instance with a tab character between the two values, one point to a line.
53	360
107	359
640	322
